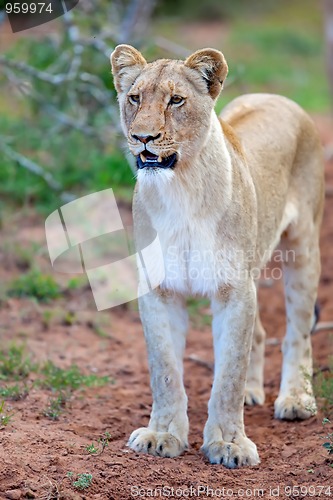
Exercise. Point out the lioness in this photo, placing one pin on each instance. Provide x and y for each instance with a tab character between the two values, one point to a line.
221	194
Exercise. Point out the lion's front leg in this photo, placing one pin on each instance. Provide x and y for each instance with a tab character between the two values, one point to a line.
225	440
165	323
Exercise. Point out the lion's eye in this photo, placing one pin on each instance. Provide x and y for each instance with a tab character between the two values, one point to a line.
134	99
177	100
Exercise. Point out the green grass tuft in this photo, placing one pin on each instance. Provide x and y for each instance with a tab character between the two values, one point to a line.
323	389
35	284
15	364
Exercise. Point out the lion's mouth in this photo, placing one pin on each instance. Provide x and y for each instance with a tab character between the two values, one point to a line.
146	159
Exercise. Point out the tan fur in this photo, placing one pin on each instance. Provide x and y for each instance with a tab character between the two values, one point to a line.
240	186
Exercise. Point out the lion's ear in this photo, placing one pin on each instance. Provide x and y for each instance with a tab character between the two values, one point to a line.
212	66
126	63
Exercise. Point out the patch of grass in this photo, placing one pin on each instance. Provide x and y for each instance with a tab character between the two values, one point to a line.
15	364
77	283
47	317
69	318
328	444
59	154
83	481
35	284
14	392
63	382
323	389
56	406
284	58
59	379
23	256
98	324
198	312
91	449
5	415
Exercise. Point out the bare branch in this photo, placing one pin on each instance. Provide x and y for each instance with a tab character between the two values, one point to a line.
29	70
172	47
136	19
36	169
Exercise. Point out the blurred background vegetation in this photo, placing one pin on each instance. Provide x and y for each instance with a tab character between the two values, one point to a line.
59	126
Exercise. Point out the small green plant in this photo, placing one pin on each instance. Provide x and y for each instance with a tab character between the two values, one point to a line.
35	284
14	392
91	449
5	415
56	406
63	382
77	283
103	442
83	481
47	317
328	445
14	363
69	318
323	389
60	379
23	255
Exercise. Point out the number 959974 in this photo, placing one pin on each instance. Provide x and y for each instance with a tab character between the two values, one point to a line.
28	8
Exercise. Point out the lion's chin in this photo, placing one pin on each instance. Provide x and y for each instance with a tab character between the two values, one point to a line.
148	177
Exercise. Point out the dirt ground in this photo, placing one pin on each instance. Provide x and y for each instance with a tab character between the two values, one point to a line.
37	453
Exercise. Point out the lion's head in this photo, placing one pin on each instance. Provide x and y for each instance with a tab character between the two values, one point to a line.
166	105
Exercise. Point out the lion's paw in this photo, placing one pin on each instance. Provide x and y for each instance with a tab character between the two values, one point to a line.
162	444
232	455
300	406
254	395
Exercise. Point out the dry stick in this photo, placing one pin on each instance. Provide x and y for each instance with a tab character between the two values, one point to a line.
200	361
323	325
329	191
29	70
328	325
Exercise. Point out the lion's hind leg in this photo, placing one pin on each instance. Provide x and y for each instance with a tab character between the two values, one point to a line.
254	390
301	277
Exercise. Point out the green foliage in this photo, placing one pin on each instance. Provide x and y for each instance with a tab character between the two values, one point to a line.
268	55
323	389
212	10
58	379
5	415
14	392
83	481
103	442
80	164
56	406
328	445
83	153
23	256
35	284
278	40
15	364
91	449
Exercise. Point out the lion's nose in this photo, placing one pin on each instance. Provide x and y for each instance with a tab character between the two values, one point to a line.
146	138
